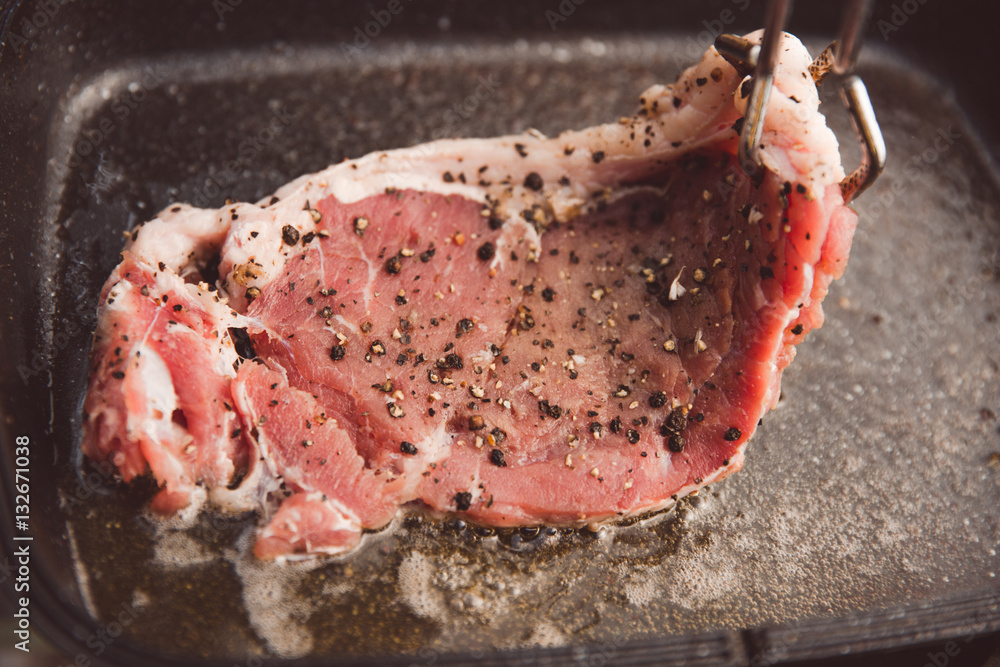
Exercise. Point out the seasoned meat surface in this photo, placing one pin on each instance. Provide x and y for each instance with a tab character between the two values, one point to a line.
519	330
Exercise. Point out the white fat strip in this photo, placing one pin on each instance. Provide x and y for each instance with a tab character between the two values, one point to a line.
257	236
808	276
513	230
403	169
116	301
435	447
161	399
160	395
174	238
369	285
344	323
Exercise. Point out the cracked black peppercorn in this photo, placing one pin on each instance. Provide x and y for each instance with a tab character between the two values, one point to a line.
463	501
486	251
289	235
496	458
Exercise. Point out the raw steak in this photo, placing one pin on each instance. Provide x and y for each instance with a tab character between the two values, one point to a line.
519	330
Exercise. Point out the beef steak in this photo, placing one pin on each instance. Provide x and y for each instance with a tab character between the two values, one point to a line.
520	330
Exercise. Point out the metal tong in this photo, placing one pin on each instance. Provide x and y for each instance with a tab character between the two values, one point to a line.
839	58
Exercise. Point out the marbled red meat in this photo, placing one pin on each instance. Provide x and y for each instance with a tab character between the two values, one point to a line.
519	330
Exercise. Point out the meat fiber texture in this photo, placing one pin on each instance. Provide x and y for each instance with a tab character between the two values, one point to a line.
521	330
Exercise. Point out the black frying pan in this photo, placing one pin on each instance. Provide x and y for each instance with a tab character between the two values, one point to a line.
865	519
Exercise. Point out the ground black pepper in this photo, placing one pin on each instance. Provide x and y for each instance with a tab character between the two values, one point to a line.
463	501
486	251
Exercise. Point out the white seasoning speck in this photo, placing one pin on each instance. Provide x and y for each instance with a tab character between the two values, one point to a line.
676	289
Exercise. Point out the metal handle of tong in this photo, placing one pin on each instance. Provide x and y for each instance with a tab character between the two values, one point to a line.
840	58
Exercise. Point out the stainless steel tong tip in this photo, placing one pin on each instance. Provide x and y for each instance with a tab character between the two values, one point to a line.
839	59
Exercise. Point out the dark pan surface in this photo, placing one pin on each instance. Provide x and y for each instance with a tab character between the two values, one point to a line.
874	484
